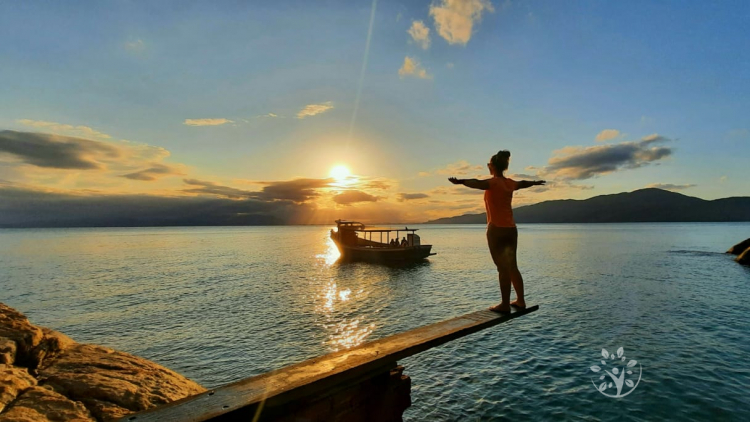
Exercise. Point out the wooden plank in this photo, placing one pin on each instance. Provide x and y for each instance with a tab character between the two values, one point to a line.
315	376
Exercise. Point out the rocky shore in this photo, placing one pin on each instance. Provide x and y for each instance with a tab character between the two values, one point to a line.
46	376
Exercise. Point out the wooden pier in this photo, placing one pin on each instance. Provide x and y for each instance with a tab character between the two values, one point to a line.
361	383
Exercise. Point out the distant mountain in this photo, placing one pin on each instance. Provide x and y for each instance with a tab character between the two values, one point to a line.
643	205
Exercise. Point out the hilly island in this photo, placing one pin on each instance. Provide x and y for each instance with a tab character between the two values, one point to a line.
640	206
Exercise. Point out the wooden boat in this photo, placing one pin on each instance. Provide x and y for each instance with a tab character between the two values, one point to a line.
355	242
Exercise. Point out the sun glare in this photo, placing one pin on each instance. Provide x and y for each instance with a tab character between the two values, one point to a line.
339	173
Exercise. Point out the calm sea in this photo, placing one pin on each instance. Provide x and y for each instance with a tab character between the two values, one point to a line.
221	304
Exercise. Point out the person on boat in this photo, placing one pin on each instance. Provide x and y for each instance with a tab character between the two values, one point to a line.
393	243
404	243
502	234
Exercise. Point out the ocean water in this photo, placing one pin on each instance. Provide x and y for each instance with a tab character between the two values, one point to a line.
220	304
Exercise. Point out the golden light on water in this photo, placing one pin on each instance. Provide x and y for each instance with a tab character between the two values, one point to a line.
332	254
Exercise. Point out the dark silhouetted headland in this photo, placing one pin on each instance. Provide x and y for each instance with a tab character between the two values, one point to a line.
643	205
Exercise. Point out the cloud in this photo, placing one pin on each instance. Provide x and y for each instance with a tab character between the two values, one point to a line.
411	196
577	163
61	128
211	188
206	122
56	151
670	186
354	196
459	168
26	207
607	134
454	19
156	171
297	190
376	184
314	109
411	67
723	179
420	34
137	45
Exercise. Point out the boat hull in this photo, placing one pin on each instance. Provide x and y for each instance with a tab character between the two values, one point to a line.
382	254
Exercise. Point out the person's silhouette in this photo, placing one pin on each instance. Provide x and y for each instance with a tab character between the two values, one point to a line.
502	234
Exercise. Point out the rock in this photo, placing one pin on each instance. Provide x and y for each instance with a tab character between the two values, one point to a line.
13	381
744	257
41	404
112	383
740	247
15	326
52	344
7	351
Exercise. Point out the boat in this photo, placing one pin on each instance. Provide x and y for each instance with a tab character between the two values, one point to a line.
355	243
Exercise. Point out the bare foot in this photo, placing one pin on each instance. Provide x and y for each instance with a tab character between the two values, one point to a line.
501	308
518	304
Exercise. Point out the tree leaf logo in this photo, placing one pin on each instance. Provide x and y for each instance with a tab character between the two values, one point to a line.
620	375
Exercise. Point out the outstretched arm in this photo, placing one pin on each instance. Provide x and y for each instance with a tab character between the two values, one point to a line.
523	184
471	183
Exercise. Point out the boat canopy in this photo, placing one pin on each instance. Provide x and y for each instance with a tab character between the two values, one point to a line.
359	227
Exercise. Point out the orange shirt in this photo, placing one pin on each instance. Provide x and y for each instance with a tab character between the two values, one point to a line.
497	200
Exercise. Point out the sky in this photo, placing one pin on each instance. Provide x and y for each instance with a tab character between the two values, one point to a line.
238	112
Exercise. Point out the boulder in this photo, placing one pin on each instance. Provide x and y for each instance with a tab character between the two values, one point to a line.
744	257
112	383
40	404
740	247
13	381
15	327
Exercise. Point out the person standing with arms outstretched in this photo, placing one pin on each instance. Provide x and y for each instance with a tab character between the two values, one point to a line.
502	234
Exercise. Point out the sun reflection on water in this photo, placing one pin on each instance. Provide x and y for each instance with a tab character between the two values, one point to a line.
340	307
331	254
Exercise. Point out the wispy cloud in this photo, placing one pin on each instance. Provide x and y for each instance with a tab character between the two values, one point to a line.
135	45
577	163
411	196
420	34
412	67
156	171
455	19
670	186
459	168
206	122
607	134
314	109
65	129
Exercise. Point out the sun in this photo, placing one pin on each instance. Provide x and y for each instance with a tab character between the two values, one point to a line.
339	173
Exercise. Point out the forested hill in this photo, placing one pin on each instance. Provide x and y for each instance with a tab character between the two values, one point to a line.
643	205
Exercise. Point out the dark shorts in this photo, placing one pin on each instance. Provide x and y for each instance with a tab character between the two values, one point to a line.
503	243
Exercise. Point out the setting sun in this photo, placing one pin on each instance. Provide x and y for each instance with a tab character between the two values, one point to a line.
339	173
